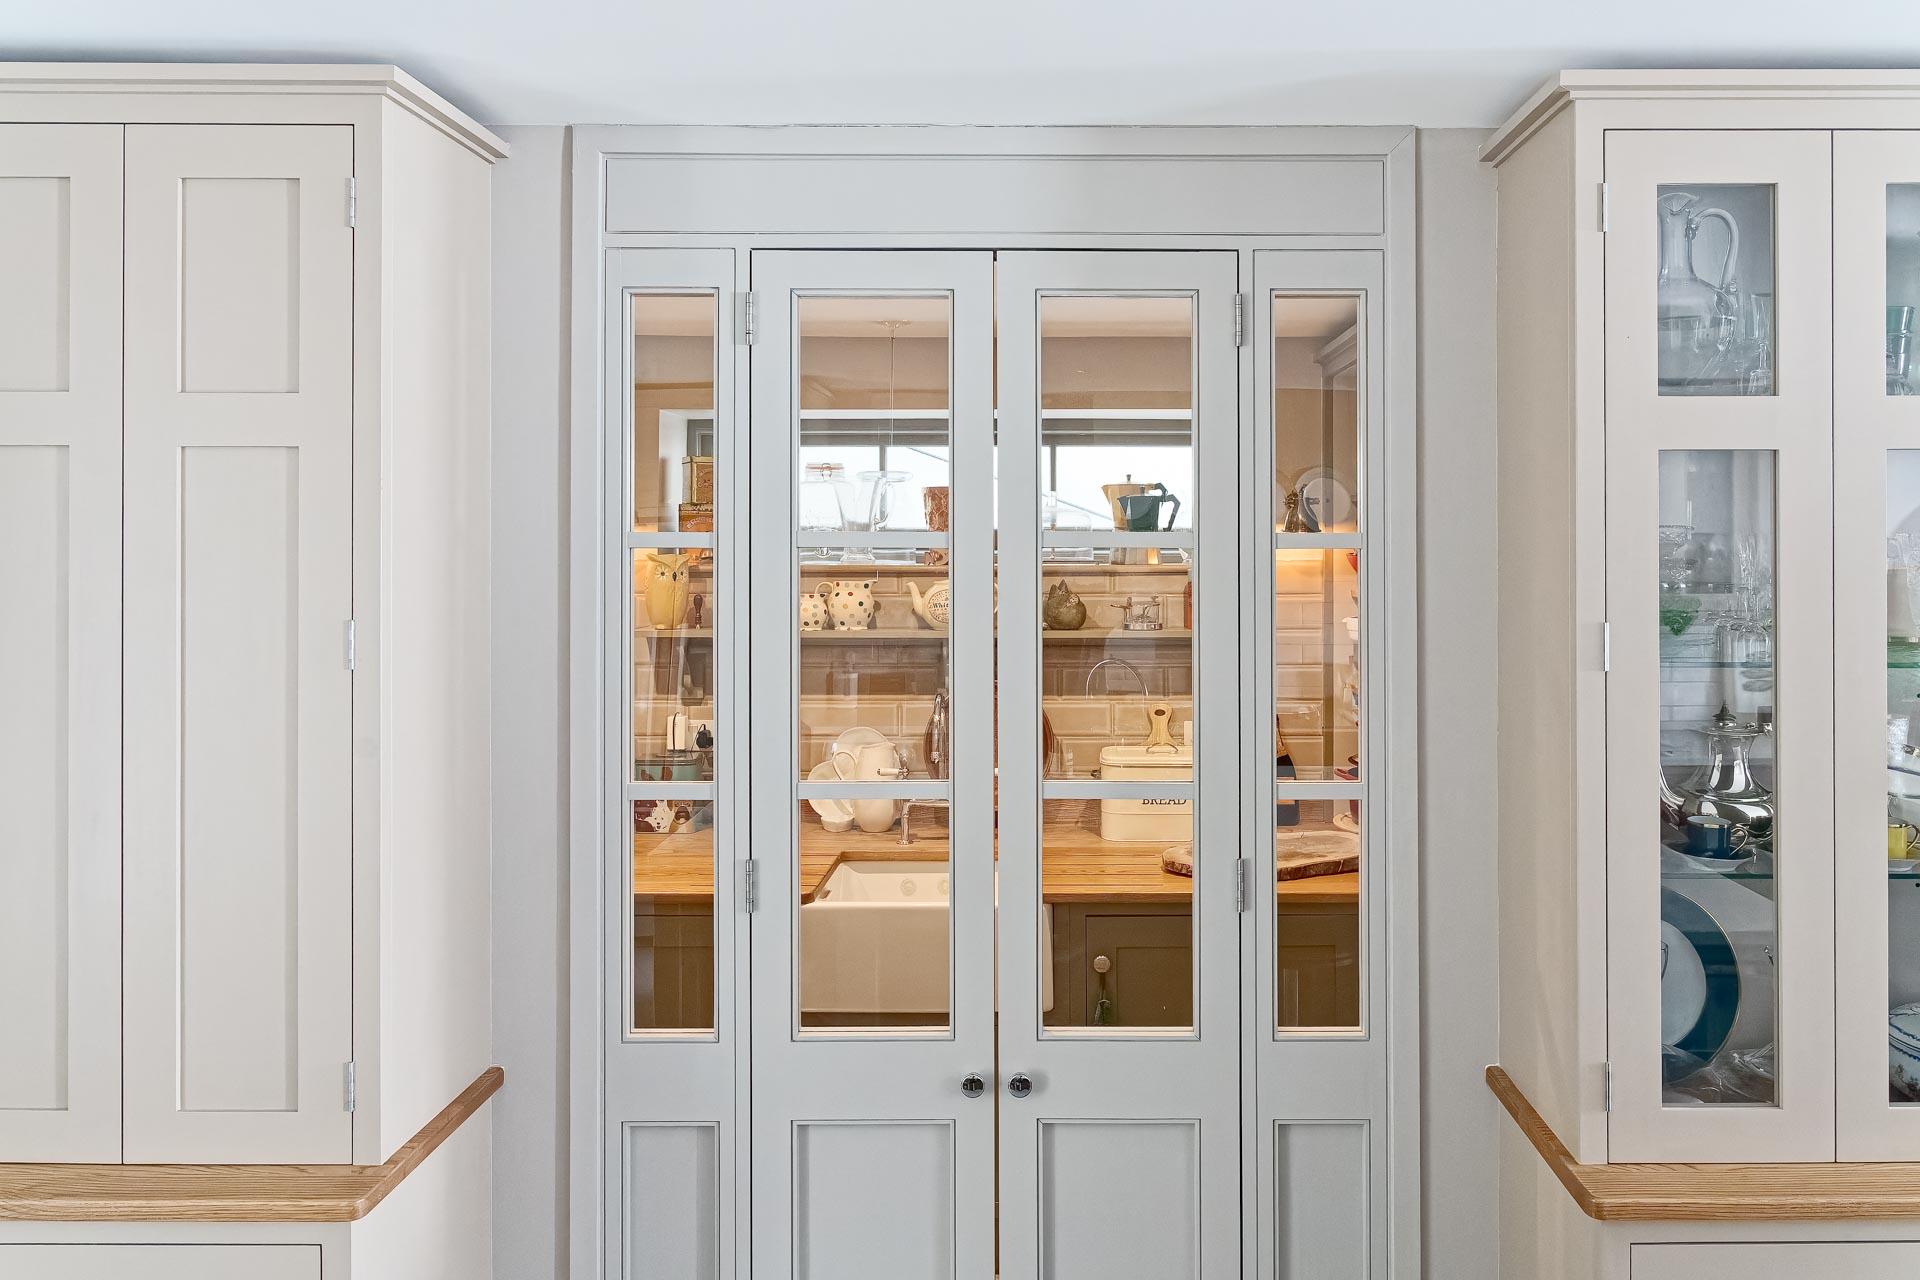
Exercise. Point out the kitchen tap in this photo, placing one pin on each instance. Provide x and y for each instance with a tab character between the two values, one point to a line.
1129	668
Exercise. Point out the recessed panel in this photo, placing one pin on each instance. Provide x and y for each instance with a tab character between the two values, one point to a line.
670	1187
36	263
1120	1198
237	882
239	320
1320	1201
873	1200
35	852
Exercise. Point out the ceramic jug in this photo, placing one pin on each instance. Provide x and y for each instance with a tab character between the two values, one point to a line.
667	589
849	603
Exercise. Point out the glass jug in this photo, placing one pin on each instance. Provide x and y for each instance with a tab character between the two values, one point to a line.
822	501
1696	318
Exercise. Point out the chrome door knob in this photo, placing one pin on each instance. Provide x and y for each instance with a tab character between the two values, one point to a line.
972	1085
1019	1085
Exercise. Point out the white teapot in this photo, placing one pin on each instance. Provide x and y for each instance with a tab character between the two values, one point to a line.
935	608
849	603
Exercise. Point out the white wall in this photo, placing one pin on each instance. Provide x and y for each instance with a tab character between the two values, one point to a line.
1458	640
1457	653
529	704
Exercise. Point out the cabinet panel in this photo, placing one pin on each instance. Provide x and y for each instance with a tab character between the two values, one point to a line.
1877	662
60	649
1720	693
1849	1261
161	1261
239	541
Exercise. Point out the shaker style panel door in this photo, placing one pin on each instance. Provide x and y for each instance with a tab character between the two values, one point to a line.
1319	798
872	757
674	932
239	540
1719	439
1119	690
60	642
1876	570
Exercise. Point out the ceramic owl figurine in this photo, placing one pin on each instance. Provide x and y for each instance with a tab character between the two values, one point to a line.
1063	610
667	589
813	613
849	604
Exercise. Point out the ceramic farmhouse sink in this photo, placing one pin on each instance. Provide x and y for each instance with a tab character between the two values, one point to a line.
874	941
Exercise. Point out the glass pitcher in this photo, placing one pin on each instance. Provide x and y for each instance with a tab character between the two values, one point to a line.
821	503
1697	318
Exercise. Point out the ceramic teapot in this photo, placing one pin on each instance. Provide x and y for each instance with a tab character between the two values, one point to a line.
935	608
1063	610
668	589
849	603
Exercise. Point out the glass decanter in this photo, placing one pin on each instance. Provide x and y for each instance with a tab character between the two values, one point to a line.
1696	318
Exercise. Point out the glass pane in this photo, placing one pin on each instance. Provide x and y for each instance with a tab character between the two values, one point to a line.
672	915
1116	921
673	671
1316	414
673	440
1316	665
873	430
873	674
1117	644
1116	411
1715	290
1903	285
1903	774
1719	941
1317	932
875	937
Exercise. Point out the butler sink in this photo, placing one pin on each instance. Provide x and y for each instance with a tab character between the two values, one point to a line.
874	944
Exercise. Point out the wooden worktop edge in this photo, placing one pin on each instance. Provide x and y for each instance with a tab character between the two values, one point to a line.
1811	1192
230	1192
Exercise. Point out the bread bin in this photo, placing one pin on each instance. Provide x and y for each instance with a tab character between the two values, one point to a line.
1159	759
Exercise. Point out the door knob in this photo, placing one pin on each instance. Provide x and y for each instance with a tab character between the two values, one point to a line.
972	1085
1019	1085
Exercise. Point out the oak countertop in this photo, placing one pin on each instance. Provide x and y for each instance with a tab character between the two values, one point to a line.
1079	867
227	1192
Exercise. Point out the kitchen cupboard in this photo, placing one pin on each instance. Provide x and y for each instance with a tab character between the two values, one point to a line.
993	619
1707	951
244	453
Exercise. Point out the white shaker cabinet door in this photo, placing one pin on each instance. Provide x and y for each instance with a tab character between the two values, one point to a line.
239	419
60	642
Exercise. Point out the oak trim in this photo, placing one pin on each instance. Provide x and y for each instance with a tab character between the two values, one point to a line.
228	1192
1715	1192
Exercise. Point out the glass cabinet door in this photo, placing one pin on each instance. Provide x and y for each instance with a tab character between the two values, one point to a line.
1718	642
672	522
872	654
1877	649
1119	413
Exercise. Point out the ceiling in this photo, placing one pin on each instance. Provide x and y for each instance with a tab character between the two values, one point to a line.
978	61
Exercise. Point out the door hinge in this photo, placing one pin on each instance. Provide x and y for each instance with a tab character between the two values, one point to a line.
353	202
352	655
1239	319
746	319
1603	208
350	1085
1606	647
1606	1077
1242	883
749	881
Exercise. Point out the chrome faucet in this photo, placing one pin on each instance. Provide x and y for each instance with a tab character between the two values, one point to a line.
1125	666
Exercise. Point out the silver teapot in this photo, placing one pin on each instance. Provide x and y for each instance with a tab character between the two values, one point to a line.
1724	787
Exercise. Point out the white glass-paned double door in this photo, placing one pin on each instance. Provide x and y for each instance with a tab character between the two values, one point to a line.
1020	913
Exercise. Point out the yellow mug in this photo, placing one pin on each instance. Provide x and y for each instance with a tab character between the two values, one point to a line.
1901	837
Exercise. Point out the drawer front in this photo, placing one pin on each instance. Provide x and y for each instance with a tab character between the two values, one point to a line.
1849	1260
161	1261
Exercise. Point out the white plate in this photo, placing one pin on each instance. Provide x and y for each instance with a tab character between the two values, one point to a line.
1683	985
1324	497
835	815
